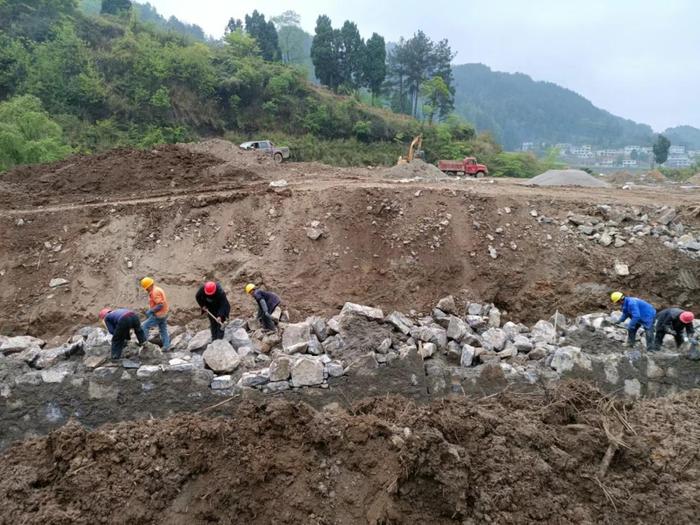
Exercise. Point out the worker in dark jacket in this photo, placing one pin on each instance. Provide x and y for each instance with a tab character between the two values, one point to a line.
267	303
120	323
674	321
640	313
212	299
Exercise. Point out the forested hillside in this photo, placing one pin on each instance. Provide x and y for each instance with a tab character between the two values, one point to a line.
517	109
687	136
106	80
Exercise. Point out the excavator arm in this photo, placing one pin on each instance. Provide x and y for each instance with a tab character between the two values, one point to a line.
415	146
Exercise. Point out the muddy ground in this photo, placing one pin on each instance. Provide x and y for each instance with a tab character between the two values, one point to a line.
503	459
188	213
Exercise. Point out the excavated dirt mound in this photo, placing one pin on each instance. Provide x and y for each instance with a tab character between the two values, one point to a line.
695	179
118	173
625	177
567	178
508	459
416	169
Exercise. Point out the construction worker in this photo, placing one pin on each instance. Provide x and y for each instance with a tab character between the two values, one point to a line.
267	303
212	299
157	313
674	321
640	313
120	323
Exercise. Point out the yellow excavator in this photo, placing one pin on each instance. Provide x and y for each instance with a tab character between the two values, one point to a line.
414	151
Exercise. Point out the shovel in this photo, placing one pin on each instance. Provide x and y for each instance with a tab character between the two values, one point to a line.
222	325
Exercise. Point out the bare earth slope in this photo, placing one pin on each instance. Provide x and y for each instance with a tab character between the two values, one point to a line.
181	214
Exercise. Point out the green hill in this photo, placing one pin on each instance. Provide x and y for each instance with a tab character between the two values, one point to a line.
517	109
114	80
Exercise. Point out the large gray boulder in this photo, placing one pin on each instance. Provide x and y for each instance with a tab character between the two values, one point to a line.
296	337
457	328
447	305
280	368
494	339
255	378
544	332
402	323
13	345
48	358
307	371
221	357
58	373
200	340
468	353
238	337
373	314
567	358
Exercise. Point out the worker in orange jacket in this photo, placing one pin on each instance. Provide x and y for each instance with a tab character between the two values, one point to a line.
157	313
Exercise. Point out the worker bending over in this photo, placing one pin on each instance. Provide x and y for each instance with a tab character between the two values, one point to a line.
120	323
157	313
212	299
674	321
267	303
640	313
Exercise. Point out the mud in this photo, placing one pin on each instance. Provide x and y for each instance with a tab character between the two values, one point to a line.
505	459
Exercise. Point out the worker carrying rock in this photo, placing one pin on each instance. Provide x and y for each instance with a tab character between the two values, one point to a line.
267	303
674	321
212	299
157	313
120	323
640	313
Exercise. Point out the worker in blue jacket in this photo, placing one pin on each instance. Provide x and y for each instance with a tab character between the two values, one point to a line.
640	313
120	323
267	303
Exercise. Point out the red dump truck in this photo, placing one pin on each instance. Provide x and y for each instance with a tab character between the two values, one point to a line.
468	166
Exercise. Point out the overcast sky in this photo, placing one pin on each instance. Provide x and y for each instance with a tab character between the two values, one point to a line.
639	59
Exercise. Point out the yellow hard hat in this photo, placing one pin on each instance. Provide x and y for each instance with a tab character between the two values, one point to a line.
616	297
249	288
147	282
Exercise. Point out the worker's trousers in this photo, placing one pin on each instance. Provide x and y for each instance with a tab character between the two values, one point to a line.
648	333
162	324
122	334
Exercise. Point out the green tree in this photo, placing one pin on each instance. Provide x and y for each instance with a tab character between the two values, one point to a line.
435	93
324	53
115	7
34	19
234	24
265	35
660	149
294	42
374	64
27	134
351	51
414	61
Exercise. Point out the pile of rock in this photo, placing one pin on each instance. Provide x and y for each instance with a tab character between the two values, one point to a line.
459	346
619	226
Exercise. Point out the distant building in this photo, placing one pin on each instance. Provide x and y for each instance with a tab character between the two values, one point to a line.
629	163
678	161
564	147
676	150
630	149
528	146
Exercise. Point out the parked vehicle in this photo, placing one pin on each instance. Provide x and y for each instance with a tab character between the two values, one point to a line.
278	153
467	166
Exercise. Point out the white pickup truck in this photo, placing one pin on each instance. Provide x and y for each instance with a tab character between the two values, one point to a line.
277	153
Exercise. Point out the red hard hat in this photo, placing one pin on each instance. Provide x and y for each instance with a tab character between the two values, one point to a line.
687	317
104	312
210	288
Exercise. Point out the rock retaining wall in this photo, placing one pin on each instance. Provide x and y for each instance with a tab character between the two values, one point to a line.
361	352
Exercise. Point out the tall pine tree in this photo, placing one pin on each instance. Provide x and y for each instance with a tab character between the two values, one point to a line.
374	65
265	35
324	53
